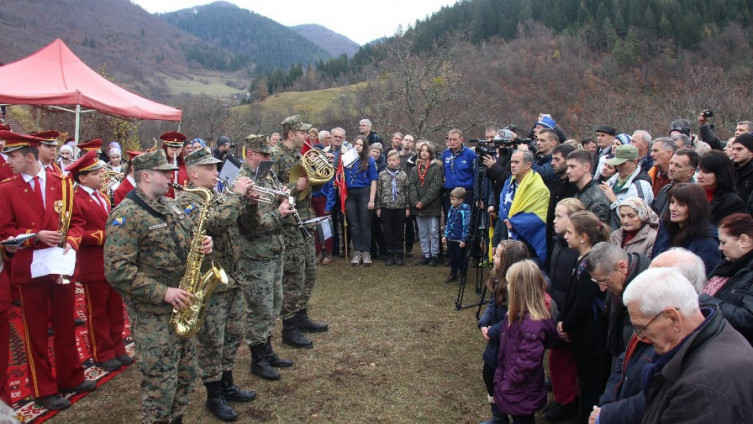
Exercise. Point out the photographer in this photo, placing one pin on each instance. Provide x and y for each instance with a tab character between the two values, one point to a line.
707	131
546	142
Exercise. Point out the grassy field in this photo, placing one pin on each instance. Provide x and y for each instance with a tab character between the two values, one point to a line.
309	104
211	85
397	352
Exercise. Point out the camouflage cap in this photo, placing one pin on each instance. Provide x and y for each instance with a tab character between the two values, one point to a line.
294	122
201	157
258	143
154	160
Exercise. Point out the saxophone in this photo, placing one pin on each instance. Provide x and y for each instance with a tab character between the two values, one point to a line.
187	321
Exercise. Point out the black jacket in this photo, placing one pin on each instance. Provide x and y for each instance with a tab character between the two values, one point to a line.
744	180
583	316
725	204
620	329
707	135
735	299
708	379
559	188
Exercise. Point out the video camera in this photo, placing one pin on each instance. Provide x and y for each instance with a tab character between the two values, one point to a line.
503	139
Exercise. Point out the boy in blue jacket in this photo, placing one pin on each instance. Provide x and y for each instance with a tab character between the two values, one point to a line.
456	229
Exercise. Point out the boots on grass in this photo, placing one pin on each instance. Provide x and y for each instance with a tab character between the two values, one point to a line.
497	417
291	336
327	259
272	357
390	258
398	257
260	365
217	405
306	325
233	393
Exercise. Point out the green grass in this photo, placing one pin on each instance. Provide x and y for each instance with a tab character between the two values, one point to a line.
310	104
397	352
211	85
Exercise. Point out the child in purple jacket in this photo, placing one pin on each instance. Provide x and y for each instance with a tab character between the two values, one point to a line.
527	330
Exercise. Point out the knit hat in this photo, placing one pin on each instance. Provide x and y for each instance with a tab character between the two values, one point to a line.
546	121
746	140
624	138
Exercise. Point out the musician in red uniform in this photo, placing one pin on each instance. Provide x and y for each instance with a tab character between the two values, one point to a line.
104	306
173	146
87	146
5	171
128	182
48	150
28	203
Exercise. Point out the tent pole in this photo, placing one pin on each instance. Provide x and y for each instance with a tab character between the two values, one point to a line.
78	122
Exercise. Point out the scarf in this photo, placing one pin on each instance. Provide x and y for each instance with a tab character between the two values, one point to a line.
423	168
393	176
724	271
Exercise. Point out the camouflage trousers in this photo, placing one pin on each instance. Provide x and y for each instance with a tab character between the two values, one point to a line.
261	282
221	333
167	365
299	273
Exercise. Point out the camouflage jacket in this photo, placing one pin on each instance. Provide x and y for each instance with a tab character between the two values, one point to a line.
222	225
146	254
285	159
384	191
260	224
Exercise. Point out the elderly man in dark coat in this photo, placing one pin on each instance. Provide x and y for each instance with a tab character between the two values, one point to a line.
702	371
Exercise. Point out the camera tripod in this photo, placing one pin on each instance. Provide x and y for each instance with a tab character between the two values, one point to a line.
476	256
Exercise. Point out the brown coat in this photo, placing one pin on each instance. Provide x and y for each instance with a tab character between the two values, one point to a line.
642	243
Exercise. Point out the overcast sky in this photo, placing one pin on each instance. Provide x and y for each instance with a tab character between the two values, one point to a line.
361	21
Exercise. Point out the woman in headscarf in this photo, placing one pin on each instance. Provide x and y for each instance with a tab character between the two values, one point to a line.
639	226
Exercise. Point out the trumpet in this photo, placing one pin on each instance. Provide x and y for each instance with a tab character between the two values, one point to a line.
268	195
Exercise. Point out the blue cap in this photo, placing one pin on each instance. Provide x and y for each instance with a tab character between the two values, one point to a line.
624	138
546	121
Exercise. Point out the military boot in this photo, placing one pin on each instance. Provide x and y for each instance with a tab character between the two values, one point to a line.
272	357
216	403
260	365
390	258
291	336
233	393
399	257
306	325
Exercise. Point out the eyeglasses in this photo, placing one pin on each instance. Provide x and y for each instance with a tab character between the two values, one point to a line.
604	281
638	330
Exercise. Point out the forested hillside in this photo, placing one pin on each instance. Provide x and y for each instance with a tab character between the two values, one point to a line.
245	38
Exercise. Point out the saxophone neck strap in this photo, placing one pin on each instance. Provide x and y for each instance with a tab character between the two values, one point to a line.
139	201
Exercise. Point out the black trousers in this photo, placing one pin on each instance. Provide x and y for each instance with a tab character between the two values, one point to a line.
393	223
457	257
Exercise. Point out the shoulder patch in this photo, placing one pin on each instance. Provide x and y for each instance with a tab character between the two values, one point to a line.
118	221
189	208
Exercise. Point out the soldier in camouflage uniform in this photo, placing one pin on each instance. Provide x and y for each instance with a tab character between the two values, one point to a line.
299	273
259	267
148	240
222	331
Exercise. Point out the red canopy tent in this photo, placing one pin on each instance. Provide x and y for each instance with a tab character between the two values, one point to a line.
55	76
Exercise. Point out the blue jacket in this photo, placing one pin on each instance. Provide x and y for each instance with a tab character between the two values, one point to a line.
328	190
458	223
492	318
459	168
355	178
707	247
623	400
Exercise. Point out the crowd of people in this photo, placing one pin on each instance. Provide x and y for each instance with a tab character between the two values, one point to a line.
573	229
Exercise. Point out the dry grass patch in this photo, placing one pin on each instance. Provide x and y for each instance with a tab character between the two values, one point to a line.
396	352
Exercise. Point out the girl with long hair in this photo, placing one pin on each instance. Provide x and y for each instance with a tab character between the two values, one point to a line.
508	253
527	330
582	321
361	180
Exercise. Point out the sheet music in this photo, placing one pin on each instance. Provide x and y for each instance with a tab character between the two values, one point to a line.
52	261
229	172
348	158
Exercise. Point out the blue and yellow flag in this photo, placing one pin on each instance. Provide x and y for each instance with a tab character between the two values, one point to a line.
527	213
